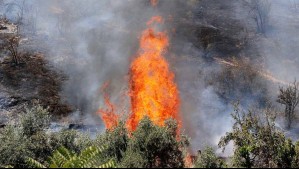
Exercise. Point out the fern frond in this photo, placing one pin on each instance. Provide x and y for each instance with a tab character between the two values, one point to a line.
66	153
34	163
60	156
109	164
89	158
74	162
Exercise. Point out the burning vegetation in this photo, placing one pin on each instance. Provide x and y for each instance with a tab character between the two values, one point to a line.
153	91
149	84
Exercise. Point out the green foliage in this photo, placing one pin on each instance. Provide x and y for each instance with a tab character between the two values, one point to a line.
148	146
71	140
116	141
13	147
91	157
258	143
289	97
36	120
28	138
286	154
132	160
35	163
295	162
154	146
25	138
208	159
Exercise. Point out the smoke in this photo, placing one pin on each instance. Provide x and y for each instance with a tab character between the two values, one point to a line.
280	47
102	38
277	48
94	42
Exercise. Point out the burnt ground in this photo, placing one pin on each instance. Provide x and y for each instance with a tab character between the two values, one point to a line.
34	80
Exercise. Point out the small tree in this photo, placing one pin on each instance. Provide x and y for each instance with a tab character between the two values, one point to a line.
17	8
258	143
289	97
12	45
156	146
260	10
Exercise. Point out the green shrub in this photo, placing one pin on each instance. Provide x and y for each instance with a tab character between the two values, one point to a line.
258	143
116	141
35	120
208	159
148	146
154	146
28	137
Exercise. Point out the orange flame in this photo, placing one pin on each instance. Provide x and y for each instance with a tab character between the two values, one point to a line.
154	2
153	91
152	88
189	161
108	115
155	19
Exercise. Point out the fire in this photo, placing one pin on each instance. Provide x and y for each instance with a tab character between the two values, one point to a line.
155	19
189	161
153	91
108	115
154	2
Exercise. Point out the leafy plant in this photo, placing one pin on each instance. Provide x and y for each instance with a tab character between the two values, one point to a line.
208	159
28	137
152	146
258	143
289	97
62	158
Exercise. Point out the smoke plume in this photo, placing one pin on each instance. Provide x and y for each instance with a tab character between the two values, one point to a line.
94	42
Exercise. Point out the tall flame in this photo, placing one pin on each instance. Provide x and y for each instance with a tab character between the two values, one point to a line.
108	115
152	89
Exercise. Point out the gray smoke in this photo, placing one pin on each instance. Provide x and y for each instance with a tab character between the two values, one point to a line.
93	42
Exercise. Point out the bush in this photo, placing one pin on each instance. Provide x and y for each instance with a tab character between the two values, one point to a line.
116	140
258	143
26	138
208	159
132	160
29	138
155	147
35	120
148	146
14	147
71	140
